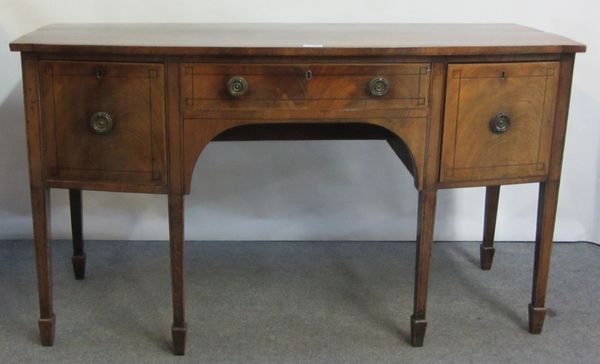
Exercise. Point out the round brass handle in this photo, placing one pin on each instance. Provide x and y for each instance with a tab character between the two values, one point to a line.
379	86
237	86
500	123
101	123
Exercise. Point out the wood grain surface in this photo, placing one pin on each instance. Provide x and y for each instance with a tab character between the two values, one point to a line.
132	94
295	39
476	93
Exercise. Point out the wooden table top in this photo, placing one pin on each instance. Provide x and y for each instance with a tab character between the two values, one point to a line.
295	39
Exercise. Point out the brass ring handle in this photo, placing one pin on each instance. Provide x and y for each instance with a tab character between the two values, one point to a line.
500	123
101	123
237	86
379	86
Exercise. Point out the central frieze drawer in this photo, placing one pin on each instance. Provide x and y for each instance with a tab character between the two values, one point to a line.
353	87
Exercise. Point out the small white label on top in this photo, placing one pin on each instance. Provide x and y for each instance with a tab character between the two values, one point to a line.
312	46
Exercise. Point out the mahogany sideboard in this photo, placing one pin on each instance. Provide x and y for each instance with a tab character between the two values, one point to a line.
130	107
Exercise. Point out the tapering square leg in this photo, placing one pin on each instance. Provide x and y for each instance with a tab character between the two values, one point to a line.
40	208
79	257
176	236
547	203
426	220
487	250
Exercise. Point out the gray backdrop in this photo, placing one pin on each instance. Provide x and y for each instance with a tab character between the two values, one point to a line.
307	190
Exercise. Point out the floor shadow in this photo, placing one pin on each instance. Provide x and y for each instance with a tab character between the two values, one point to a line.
359	293
477	289
470	255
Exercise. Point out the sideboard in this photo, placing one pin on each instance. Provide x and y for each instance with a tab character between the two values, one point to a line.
130	107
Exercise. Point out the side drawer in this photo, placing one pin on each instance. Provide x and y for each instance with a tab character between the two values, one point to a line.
498	121
103	122
293	88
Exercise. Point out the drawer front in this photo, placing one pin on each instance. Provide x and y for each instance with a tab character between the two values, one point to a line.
297	87
498	121
104	122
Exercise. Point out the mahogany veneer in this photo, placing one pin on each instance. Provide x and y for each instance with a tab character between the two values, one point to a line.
130	107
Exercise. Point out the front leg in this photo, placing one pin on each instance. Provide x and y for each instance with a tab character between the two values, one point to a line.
426	221
547	203
176	236
40	209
